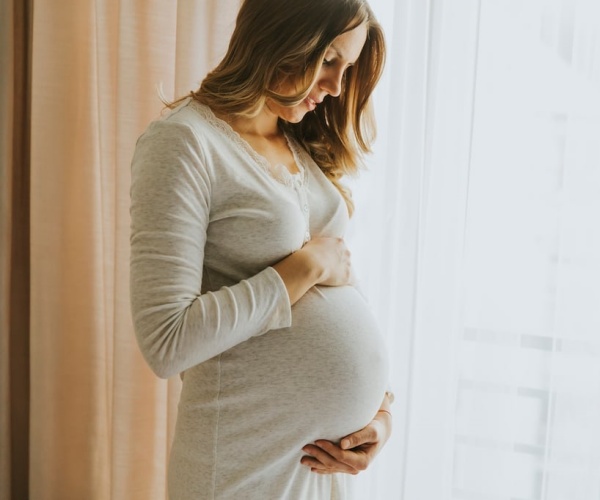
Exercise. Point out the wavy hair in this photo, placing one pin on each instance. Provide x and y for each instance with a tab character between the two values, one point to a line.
277	40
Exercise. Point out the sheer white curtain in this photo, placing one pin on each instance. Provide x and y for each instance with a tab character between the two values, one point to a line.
477	240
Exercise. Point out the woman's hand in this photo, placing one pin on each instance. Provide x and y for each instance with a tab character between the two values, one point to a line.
355	451
332	258
322	261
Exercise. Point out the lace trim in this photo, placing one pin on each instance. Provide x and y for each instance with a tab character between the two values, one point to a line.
280	172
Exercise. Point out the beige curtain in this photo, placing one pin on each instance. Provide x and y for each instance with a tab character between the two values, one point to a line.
99	422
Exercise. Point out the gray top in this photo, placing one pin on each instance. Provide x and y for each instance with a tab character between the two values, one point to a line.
262	379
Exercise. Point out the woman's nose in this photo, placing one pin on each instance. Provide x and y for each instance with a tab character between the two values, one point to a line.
332	83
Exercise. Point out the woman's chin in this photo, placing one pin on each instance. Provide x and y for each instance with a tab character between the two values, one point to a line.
299	115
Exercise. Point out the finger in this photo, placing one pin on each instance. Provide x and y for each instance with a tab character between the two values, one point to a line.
323	472
367	435
312	462
316	466
325	460
332	449
356	459
318	455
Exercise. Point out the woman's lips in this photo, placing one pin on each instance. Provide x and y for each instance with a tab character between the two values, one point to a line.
311	103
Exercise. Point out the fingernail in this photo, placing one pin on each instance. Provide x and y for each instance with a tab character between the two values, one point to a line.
345	444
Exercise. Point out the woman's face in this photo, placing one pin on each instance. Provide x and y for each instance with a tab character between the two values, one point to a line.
341	54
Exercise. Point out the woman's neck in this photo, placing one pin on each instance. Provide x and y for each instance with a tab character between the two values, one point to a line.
263	125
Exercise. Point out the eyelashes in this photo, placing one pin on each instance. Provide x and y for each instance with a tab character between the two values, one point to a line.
331	62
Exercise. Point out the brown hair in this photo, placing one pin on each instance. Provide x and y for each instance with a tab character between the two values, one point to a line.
278	39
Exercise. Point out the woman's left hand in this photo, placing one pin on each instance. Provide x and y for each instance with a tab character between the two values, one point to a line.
355	451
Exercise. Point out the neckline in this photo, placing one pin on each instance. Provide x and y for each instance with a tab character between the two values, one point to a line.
280	173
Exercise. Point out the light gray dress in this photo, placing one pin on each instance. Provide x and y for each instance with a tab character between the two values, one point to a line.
261	378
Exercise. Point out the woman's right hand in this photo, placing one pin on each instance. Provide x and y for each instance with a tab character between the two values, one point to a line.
321	261
332	257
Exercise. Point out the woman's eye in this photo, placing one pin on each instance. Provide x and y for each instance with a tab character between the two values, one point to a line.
327	62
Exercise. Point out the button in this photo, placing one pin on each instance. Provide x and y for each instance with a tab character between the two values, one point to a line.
305	207
307	236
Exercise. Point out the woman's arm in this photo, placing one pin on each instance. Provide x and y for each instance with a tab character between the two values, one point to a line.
177	326
322	261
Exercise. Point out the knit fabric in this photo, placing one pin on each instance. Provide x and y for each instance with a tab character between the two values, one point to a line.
261	379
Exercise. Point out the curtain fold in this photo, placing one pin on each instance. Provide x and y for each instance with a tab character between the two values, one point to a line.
6	210
15	90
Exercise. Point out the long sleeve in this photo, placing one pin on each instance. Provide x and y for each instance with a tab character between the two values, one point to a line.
176	325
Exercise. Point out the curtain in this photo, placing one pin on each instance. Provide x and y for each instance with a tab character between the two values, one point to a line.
15	50
476	238
98	421
409	263
529	410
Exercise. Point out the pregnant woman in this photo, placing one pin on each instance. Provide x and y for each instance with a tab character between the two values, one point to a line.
240	278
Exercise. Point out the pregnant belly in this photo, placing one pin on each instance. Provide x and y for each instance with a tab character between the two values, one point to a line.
323	378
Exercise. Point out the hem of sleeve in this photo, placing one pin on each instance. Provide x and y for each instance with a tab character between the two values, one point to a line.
282	309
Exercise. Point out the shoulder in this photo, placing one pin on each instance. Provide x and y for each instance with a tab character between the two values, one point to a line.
181	126
186	132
